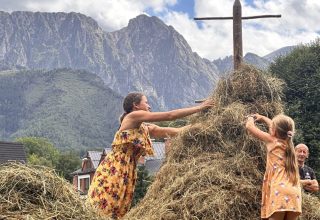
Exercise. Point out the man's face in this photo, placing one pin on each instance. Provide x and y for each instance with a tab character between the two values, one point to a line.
302	153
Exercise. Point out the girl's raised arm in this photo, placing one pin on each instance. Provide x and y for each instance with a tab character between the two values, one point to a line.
261	118
256	132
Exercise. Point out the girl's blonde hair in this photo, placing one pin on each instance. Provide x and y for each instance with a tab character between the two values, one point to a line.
284	129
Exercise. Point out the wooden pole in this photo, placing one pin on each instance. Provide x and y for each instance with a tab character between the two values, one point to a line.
237	30
237	35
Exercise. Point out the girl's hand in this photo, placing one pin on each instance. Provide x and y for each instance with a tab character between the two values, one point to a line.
206	104
251	117
258	117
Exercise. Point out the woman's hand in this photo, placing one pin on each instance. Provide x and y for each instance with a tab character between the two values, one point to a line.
208	103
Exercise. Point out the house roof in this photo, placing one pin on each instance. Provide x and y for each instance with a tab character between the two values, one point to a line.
159	150
81	172
153	166
152	163
95	156
10	151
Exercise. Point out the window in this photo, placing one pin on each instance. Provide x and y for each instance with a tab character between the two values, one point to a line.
83	183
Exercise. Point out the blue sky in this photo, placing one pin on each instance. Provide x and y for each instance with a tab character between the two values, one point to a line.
186	6
210	39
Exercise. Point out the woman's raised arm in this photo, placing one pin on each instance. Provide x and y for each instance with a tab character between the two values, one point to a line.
145	116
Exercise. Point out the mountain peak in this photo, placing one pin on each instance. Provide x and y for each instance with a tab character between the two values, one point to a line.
147	55
280	52
48	17
144	22
250	55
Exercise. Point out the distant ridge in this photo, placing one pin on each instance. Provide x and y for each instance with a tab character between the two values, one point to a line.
147	55
226	64
72	109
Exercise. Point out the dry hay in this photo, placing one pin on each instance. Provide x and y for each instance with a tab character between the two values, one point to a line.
214	169
34	192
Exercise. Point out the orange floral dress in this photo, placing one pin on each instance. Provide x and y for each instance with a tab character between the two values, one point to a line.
278	193
112	187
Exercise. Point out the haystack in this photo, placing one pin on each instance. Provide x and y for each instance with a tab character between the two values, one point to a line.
215	169
34	192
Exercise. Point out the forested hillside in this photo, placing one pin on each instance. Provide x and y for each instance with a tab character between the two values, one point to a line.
73	109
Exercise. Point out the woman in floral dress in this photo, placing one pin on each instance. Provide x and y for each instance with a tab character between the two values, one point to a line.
112	187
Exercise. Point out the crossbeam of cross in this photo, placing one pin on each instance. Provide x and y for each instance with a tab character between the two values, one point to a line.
237	30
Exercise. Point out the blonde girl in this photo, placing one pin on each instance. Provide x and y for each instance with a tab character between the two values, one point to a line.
281	191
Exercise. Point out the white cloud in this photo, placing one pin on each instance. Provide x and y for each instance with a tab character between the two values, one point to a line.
299	24
210	39
110	14
204	41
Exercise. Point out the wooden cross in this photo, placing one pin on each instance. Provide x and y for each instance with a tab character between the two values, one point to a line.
237	30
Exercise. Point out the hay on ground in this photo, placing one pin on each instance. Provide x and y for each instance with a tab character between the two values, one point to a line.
34	192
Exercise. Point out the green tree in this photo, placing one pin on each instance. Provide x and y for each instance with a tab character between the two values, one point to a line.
41	151
301	72
38	160
143	182
67	163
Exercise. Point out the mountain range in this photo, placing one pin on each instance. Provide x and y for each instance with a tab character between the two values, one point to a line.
226	64
63	77
146	56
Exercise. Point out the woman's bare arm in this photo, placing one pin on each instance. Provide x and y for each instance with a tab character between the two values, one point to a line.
156	131
145	116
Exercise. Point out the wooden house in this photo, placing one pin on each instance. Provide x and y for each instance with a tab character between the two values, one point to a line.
90	162
83	176
12	152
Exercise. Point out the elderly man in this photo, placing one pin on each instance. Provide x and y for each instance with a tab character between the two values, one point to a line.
307	175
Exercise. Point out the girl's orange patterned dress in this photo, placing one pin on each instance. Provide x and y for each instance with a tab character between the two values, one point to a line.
278	193
111	190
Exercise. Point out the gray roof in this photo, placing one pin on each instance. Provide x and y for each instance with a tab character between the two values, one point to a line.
107	150
82	172
153	166
152	163
10	151
76	172
95	156
159	150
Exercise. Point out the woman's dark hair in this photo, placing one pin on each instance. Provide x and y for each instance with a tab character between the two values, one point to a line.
129	100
